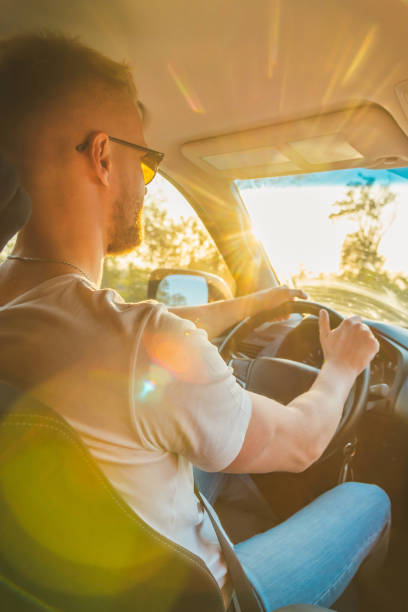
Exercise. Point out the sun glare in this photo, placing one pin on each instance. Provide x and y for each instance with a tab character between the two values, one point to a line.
292	222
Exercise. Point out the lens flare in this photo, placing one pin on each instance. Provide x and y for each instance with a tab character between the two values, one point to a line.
190	97
147	388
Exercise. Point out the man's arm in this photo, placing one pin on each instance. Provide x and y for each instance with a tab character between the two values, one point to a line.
218	316
290	438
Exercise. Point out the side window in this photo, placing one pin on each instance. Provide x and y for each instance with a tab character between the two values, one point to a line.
174	237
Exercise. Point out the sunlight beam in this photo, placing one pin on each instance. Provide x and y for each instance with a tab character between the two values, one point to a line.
273	42
190	97
361	53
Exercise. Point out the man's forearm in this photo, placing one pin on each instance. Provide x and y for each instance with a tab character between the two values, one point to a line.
322	406
218	316
290	438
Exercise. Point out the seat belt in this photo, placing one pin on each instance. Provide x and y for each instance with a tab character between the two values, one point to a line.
247	597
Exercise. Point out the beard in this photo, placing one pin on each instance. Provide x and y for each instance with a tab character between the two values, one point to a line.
125	234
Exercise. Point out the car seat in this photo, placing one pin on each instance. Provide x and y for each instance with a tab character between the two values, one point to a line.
68	539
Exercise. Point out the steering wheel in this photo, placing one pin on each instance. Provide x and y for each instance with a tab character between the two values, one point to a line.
284	379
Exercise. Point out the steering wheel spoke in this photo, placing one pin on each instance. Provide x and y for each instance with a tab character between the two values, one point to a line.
240	368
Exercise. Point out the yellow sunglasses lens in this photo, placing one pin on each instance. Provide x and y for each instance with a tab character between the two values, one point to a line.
148	173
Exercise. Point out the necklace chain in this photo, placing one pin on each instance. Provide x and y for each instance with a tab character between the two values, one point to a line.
45	260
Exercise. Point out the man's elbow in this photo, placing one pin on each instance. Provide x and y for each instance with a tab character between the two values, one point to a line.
305	457
308	445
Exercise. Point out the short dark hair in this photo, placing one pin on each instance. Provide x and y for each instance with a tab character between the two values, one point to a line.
37	68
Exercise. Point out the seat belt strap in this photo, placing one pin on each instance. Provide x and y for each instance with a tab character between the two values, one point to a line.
247	597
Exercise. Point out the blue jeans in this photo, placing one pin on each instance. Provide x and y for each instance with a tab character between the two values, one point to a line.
311	557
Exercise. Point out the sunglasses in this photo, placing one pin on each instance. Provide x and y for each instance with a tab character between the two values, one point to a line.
149	162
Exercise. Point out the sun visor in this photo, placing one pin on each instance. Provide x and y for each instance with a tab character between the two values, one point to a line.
364	135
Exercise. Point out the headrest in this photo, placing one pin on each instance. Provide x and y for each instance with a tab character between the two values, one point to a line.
15	203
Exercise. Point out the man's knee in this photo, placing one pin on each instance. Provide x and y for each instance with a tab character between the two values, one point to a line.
370	492
368	498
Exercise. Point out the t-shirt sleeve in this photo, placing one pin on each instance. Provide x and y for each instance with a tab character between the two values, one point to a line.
184	399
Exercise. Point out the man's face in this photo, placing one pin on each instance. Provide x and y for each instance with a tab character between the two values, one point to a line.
125	231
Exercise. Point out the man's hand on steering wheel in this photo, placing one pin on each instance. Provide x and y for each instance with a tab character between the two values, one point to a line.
269	299
349	347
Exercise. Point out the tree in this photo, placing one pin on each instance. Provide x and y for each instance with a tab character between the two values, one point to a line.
361	260
365	205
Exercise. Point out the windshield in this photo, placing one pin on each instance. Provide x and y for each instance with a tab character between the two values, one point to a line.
341	235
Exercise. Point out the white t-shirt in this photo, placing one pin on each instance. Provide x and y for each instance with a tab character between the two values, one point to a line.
146	391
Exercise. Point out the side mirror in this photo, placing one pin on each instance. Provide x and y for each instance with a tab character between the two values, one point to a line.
177	287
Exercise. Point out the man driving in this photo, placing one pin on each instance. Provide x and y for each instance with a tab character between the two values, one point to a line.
141	384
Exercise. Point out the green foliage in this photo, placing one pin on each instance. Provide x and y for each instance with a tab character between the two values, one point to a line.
127	278
168	243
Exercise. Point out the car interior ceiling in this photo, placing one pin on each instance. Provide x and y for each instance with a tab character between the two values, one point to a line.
235	79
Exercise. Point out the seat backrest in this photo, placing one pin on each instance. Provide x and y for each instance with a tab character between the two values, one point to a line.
68	538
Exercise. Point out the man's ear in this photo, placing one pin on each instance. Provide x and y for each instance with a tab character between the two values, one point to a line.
100	155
